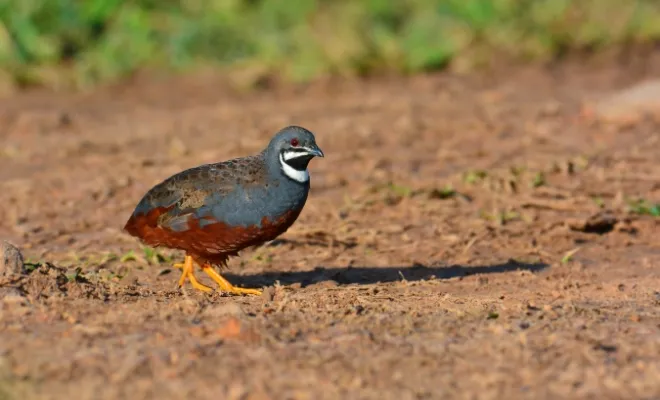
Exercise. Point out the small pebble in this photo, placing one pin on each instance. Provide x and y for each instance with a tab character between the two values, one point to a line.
11	260
268	294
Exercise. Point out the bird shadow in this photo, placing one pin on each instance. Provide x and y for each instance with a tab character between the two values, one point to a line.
370	275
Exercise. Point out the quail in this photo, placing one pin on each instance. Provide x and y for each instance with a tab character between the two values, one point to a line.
213	211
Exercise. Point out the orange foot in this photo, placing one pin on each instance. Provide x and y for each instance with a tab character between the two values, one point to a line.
224	284
187	272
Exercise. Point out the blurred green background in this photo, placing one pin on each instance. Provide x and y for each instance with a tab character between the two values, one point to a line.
83	42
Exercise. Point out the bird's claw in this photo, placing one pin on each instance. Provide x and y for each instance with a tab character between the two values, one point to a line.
223	284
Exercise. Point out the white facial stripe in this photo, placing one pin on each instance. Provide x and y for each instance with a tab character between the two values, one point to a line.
298	176
290	155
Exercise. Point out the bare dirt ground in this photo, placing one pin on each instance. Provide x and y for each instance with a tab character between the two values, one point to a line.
465	237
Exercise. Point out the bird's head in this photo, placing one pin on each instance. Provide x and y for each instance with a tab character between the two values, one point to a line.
294	147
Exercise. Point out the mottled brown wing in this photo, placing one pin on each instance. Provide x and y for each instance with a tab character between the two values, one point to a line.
181	201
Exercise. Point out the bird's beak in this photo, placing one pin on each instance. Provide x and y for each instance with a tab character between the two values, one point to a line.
315	151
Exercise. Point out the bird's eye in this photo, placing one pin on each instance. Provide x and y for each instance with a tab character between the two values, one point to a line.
294	142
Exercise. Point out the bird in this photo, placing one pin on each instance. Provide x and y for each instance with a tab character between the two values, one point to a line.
213	211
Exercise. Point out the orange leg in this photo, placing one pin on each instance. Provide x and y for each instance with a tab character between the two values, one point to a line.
187	272
224	284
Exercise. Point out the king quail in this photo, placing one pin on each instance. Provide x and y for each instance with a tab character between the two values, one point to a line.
213	211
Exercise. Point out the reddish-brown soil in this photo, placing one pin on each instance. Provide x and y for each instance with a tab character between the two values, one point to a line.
534	280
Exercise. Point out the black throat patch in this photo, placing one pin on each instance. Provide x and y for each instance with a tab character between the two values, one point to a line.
299	162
